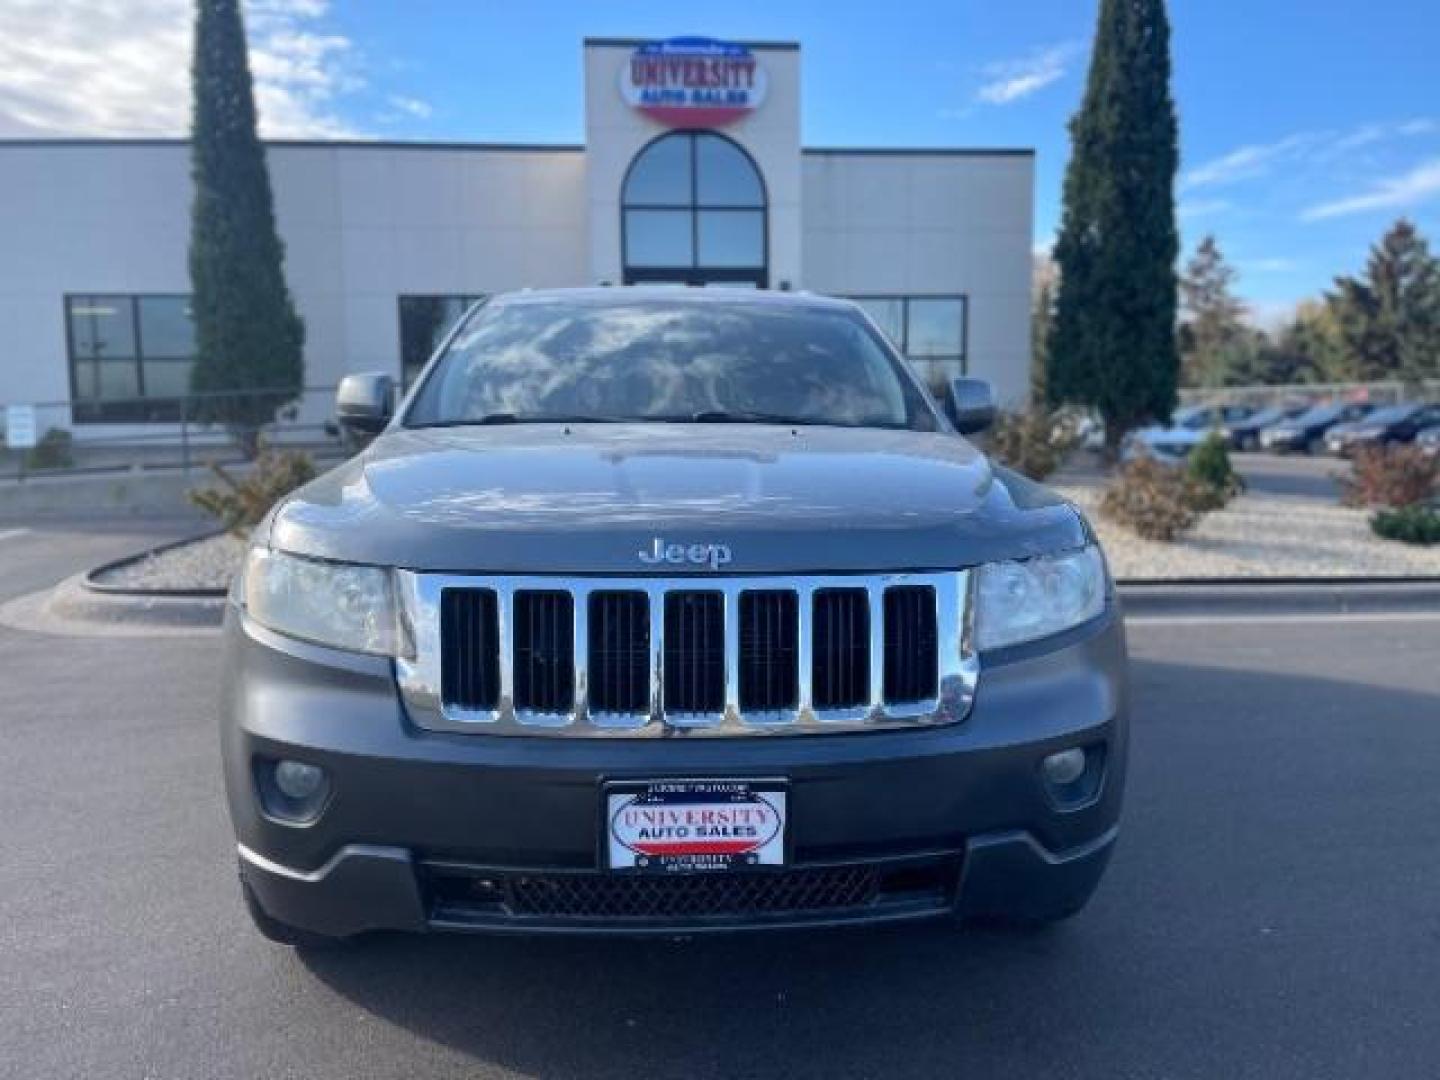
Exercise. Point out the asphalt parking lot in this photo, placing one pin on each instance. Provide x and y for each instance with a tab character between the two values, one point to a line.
1271	910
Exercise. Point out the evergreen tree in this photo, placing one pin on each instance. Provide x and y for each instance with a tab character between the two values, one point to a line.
1389	318
1113	344
1307	349
1216	347
249	338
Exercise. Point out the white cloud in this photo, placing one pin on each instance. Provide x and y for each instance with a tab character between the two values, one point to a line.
1313	148
1392	193
1194	208
1011	80
122	67
1254	159
420	110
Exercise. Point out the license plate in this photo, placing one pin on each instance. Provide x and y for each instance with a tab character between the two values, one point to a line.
662	826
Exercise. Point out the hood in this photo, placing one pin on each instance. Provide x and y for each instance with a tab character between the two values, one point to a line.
589	498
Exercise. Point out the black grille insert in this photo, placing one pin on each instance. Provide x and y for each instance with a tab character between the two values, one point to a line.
842	648
463	894
544	651
911	657
694	652
619	660
469	649
769	633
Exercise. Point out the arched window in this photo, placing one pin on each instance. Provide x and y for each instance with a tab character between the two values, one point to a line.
693	212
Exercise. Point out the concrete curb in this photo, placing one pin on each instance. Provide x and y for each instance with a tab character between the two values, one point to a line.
75	599
92	576
1341	596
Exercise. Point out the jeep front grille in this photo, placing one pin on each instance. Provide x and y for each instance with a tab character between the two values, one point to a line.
669	656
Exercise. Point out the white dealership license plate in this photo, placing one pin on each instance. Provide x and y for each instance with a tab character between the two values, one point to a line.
686	825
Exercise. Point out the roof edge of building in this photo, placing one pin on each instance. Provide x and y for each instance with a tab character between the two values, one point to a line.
921	151
321	144
635	43
504	147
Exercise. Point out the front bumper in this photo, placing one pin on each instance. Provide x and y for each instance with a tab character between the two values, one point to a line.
432	830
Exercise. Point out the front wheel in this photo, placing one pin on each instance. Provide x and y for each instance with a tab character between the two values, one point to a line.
283	933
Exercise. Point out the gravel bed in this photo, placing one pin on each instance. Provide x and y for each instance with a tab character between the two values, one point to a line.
1267	536
1255	536
202	564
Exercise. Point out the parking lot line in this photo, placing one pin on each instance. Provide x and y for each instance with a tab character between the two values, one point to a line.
10	534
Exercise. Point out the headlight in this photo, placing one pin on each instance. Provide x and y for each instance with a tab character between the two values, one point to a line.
345	607
1021	601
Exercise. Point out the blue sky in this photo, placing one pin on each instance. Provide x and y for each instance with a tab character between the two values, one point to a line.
1306	129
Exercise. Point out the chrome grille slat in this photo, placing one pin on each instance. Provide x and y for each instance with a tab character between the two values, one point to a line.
614	683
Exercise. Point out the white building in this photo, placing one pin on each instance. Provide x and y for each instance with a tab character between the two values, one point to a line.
692	172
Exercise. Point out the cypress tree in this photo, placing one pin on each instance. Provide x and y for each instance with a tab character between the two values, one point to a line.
1112	345
249	338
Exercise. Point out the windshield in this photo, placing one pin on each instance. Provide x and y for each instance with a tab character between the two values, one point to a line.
550	360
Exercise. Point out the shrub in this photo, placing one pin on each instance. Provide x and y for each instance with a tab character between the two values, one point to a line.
1416	524
1215	480
1156	501
240	504
1390	476
1034	443
55	450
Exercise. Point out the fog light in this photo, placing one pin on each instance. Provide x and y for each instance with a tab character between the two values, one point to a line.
298	781
1064	768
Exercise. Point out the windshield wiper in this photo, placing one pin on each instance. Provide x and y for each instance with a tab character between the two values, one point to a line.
518	418
725	416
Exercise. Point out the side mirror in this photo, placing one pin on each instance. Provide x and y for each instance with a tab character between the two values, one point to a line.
363	403
971	404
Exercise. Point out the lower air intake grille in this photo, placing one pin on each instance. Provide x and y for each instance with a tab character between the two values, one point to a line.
694	652
470	648
842	648
544	652
461	895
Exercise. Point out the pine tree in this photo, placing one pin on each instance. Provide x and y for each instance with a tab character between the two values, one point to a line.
1113	344
1389	318
1216	345
249	338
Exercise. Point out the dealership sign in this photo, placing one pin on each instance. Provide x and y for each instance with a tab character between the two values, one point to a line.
693	81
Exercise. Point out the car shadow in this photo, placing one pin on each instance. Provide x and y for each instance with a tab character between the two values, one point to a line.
1233	781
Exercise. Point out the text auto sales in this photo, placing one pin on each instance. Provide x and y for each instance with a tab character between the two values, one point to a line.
712	823
692	80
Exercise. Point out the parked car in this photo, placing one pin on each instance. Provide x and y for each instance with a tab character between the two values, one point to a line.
1171	445
1243	433
657	610
1429	440
1204	418
1392	424
1306	433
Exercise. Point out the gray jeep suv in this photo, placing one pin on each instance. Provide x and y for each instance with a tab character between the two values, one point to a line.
666	610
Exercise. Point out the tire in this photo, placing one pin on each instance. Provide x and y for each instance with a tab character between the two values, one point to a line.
1315	447
283	933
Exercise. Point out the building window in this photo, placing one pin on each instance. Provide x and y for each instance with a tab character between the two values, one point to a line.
932	331
130	357
424	322
693	213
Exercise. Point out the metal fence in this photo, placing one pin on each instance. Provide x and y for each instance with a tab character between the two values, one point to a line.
1260	397
153	435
